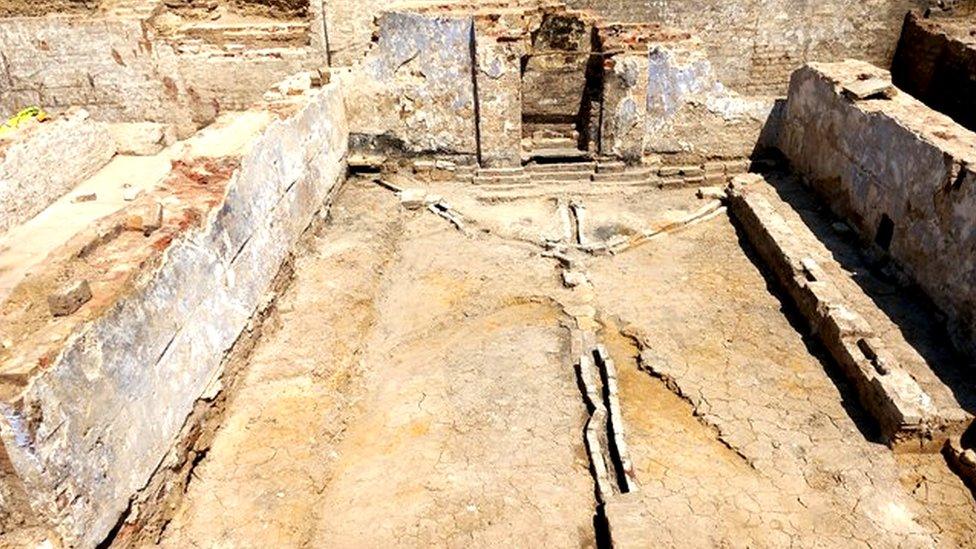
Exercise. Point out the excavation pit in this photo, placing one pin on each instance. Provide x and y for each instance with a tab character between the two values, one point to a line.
510	274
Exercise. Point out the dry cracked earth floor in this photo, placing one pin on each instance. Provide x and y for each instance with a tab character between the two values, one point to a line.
416	388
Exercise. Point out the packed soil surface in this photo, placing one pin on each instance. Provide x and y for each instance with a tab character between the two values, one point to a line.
417	387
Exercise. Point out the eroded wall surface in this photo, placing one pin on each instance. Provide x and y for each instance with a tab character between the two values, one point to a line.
114	68
123	69
47	160
936	62
349	26
89	430
901	173
415	88
755	44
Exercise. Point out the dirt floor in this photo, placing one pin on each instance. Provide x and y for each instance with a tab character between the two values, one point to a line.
418	389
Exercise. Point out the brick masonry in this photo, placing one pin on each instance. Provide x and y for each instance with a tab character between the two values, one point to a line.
755	45
936	62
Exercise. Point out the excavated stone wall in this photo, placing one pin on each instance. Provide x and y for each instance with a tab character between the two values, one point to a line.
936	62
274	8
283	9
415	89
35	171
499	78
349	26
29	8
114	68
754	45
89	430
901	173
121	69
667	105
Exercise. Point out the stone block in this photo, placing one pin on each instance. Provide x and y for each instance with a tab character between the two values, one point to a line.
413	199
869	88
141	138
68	299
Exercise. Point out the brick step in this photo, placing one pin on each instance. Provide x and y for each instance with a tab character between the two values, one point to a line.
548	192
610	167
502	187
682	182
557	154
627	176
501	180
562	176
554	143
681	171
554	131
499	172
564	167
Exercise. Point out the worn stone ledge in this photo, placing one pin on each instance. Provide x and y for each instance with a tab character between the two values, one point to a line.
46	160
905	413
901	173
88	431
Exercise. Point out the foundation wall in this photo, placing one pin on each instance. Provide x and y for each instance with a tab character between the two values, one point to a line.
89	431
12	8
120	69
753	44
499	78
43	162
415	90
349	26
900	172
691	116
938	66
756	44
667	106
114	68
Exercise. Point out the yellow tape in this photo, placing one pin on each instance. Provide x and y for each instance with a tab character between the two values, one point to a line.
15	121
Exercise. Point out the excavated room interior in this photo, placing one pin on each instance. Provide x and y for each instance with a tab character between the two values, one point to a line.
526	273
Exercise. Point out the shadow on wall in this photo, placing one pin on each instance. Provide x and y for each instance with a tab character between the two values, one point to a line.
767	144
